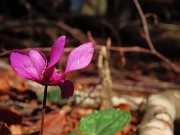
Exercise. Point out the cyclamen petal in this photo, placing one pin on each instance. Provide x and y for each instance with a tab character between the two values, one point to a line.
39	60
22	64
67	89
80	57
56	51
52	77
48	74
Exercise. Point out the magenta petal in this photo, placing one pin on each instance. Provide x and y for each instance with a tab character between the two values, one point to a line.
56	51
22	64
80	57
56	77
39	60
52	77
48	73
67	89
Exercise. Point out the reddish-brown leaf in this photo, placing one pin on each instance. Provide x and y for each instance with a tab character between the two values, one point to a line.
57	123
124	107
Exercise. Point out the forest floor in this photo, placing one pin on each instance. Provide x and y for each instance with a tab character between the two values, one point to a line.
143	60
20	100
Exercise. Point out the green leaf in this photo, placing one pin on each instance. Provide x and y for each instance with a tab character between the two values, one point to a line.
105	122
54	96
73	133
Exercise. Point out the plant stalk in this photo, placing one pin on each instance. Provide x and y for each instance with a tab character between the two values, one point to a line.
43	110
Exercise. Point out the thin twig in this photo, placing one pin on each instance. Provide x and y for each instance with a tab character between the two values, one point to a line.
138	49
145	26
148	39
134	49
43	49
82	38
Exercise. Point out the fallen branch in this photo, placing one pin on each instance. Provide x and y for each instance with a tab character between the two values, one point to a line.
160	113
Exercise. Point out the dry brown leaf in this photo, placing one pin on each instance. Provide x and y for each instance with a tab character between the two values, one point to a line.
127	129
57	123
4	86
83	112
118	133
16	129
9	79
124	107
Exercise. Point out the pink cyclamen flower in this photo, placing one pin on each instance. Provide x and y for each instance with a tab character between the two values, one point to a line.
34	66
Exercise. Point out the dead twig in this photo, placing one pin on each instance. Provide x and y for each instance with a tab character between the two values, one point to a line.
145	26
138	49
148	39
81	37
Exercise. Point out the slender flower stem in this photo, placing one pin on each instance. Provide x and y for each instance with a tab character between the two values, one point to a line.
43	110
